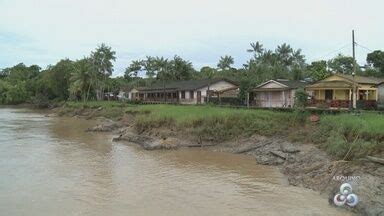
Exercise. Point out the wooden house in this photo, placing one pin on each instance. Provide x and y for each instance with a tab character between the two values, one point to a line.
336	91
275	93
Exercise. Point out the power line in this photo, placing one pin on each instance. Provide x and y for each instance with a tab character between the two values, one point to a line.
363	47
343	47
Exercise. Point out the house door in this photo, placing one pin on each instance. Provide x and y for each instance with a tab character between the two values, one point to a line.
199	97
328	94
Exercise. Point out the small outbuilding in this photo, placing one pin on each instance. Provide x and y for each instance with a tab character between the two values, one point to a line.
275	93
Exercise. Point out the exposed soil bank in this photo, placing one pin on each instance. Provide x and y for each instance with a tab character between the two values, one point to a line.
304	165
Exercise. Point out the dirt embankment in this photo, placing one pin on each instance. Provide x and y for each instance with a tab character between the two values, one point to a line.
304	165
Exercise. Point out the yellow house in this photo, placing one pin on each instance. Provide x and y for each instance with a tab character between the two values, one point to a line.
336	91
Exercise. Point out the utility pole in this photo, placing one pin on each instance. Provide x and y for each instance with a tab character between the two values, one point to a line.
354	70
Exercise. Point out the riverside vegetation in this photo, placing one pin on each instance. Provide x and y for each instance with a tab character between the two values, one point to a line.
343	136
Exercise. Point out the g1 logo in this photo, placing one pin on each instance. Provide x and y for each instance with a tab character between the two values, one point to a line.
346	197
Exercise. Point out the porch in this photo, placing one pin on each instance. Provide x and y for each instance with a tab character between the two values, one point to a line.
167	96
342	98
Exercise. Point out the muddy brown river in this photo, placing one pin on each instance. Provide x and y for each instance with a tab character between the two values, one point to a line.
50	166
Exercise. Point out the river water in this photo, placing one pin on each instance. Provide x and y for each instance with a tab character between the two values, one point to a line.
50	166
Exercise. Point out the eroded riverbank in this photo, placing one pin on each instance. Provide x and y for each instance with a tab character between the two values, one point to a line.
304	165
52	167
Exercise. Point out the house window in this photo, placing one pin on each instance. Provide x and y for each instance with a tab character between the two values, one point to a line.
191	95
182	94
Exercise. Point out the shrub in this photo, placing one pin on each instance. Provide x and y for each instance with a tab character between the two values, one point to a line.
301	98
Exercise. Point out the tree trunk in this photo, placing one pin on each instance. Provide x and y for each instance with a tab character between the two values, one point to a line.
89	89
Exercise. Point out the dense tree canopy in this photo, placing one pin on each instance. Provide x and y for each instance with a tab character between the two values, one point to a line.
90	77
318	70
375	60
341	64
161	68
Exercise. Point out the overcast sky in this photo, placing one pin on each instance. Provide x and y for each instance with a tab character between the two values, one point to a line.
45	31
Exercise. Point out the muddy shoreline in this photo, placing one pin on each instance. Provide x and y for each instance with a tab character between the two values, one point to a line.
304	165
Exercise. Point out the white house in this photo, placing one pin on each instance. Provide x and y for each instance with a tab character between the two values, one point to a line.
276	93
183	91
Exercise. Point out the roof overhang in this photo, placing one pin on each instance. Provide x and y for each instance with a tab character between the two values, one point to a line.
158	90
330	85
270	81
271	89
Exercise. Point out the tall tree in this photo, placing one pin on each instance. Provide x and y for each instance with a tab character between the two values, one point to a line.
284	54
149	65
161	67
298	59
341	64
102	59
375	59
225	62
180	69
207	72
134	68
21	72
82	79
256	49
318	70
57	79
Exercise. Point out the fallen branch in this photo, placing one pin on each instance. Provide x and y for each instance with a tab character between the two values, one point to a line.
350	148
241	151
278	154
292	151
198	145
117	139
376	159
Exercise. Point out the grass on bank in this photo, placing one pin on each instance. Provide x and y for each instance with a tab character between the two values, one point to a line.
348	136
210	122
108	109
344	136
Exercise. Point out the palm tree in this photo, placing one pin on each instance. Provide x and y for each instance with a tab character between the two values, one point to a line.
82	78
180	69
148	66
257	49
161	66
284	52
102	59
298	58
225	62
134	68
269	58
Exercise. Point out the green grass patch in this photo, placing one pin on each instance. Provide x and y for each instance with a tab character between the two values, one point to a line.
211	122
350	136
97	104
